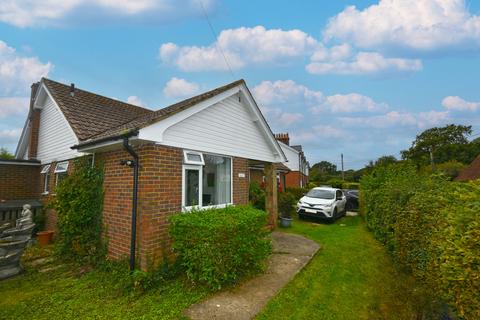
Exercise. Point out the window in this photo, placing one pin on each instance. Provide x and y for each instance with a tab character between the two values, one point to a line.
192	157
207	185
60	171
46	178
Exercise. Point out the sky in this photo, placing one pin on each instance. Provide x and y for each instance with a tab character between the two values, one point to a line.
357	77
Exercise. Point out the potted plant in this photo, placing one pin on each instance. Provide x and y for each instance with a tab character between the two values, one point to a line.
286	207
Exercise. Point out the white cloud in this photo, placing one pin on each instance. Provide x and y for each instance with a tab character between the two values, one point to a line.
458	104
27	13
420	26
180	88
291	94
9	136
13	105
363	63
135	101
17	72
399	119
241	46
319	132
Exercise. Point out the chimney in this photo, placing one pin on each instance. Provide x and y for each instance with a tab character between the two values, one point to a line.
283	137
72	89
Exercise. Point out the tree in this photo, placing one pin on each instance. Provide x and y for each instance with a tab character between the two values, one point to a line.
439	144
5	154
325	167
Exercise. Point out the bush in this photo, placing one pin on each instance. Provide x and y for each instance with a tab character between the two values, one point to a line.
297	192
256	196
286	204
217	247
78	203
432	228
450	169
351	185
335	183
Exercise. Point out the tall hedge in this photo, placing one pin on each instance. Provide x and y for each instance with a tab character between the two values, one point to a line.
78	203
217	247
432	227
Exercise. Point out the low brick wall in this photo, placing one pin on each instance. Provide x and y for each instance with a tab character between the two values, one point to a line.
19	180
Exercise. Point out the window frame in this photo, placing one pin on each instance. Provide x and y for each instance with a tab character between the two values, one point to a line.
199	167
60	171
46	178
191	162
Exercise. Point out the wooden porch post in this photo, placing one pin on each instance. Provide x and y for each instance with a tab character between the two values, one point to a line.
271	205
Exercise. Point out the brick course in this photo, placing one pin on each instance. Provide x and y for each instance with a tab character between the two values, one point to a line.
19	182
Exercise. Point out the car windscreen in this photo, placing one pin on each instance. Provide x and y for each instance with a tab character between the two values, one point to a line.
321	194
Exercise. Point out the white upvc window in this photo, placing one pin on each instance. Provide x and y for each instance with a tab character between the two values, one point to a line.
208	183
193	157
60	171
46	178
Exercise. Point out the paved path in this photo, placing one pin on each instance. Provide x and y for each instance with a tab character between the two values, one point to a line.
290	254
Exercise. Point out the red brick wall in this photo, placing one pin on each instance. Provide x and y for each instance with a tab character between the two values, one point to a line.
34	128
18	182
293	179
240	184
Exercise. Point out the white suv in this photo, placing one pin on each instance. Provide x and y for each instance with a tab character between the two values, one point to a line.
322	202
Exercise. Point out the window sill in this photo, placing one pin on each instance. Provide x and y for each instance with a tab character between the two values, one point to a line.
218	206
45	193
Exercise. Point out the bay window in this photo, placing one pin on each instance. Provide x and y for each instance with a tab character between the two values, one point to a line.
207	180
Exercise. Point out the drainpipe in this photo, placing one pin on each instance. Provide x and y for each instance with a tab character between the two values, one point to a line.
135	166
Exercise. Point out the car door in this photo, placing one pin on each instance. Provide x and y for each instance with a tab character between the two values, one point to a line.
342	202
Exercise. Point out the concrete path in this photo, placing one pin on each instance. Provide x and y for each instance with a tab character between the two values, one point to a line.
290	254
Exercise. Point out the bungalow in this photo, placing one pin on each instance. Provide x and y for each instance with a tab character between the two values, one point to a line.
193	154
298	166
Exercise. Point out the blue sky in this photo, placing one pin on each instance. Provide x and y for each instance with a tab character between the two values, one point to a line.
360	78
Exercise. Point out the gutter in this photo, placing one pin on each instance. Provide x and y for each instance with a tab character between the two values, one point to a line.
106	139
135	165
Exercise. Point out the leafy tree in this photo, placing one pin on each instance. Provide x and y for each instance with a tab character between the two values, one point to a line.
325	167
440	143
5	154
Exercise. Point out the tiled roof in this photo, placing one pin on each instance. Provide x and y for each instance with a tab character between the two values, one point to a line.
161	114
472	172
90	114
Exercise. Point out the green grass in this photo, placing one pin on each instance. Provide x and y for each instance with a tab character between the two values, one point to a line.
351	277
66	293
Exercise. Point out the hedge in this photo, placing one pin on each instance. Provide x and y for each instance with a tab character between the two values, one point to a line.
432	227
217	247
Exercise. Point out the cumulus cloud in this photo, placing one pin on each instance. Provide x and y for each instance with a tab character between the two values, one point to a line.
420	120
363	63
241	46
18	72
420	26
27	13
135	101
456	103
318	132
291	94
12	105
180	88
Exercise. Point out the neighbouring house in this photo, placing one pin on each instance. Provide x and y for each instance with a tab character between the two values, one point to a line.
192	154
472	172
257	174
296	162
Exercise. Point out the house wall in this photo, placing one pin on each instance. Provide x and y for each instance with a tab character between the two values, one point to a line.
19	181
55	136
292	157
296	179
159	196
226	128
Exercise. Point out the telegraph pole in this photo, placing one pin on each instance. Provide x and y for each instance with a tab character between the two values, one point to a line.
343	172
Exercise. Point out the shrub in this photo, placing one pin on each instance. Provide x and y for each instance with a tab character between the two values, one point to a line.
335	183
256	196
351	185
297	192
432	228
450	169
286	204
78	202
217	247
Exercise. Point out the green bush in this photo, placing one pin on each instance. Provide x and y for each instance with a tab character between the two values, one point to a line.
286	204
450	169
297	192
217	247
351	185
335	183
78	203
432	228
256	196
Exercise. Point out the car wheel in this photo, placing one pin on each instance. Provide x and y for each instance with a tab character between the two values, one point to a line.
300	216
334	215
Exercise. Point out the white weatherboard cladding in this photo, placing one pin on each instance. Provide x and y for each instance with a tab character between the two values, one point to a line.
227	128
292	157
55	137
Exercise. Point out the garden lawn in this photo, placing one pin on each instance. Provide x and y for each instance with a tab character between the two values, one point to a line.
351	277
69	293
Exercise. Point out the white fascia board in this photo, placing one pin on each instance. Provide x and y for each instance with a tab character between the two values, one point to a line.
19	163
23	141
106	145
288	147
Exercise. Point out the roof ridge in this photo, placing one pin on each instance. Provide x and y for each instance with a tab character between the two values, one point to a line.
98	95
